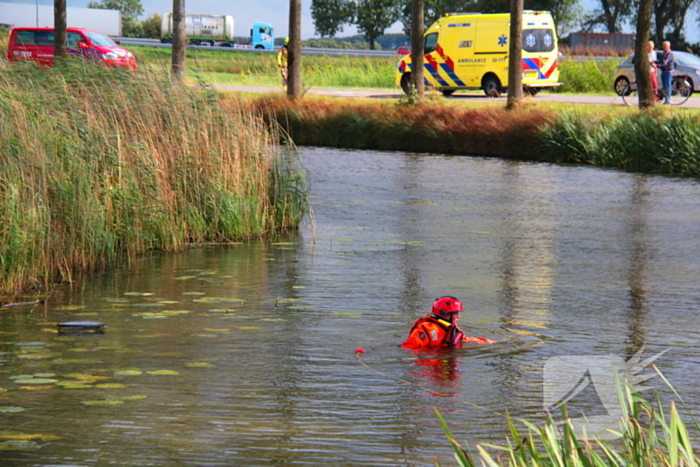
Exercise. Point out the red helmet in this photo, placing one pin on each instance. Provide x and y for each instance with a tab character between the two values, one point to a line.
443	306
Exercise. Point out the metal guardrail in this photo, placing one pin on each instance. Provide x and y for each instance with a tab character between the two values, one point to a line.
304	50
314	50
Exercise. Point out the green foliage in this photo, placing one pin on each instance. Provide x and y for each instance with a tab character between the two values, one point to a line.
586	76
131	10
151	26
611	15
100	164
373	17
330	15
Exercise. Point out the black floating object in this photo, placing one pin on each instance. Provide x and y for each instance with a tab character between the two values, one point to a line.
81	326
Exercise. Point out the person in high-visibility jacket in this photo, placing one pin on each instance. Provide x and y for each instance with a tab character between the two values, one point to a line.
441	327
282	61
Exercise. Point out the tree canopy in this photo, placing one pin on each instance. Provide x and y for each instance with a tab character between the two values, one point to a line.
131	10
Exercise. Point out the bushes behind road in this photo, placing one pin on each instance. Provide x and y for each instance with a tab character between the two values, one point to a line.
97	165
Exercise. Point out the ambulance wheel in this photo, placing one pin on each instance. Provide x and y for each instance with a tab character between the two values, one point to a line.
532	91
406	83
491	86
448	92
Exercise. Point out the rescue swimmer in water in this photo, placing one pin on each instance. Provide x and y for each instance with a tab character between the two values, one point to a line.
441	327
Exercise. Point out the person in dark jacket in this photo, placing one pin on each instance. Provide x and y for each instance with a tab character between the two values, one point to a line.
666	64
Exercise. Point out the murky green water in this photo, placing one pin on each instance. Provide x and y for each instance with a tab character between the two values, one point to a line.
245	355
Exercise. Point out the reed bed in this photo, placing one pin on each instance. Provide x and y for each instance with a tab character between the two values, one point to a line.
649	436
657	141
430	127
661	141
98	165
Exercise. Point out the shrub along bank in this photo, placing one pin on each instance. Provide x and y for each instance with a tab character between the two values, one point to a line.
97	165
660	141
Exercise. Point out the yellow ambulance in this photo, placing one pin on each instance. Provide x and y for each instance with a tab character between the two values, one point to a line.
470	51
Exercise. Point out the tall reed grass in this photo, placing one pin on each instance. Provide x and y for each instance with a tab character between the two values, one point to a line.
649	436
97	165
656	141
429	127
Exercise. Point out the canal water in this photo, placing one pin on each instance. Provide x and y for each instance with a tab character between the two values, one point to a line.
246	354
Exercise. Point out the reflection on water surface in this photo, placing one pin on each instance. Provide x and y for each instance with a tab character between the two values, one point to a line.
244	355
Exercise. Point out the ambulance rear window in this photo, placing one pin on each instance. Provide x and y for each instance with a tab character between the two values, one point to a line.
538	40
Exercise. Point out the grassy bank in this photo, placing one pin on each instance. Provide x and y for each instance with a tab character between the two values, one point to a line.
660	141
97	165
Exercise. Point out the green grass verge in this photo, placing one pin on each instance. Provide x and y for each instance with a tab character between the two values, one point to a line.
331	71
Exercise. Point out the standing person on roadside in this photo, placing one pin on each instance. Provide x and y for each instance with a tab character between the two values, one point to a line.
666	64
652	59
282	62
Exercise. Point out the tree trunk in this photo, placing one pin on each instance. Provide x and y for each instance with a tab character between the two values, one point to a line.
515	71
294	50
179	41
417	49
60	26
641	63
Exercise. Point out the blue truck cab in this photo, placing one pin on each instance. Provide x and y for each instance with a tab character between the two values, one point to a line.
262	36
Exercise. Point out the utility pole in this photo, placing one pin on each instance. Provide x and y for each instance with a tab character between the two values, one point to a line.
294	50
417	47
60	25
515	54
641	63
179	47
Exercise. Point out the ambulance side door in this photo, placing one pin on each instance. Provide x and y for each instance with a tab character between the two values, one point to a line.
464	57
491	48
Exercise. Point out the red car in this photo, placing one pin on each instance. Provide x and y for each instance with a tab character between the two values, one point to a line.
37	44
403	50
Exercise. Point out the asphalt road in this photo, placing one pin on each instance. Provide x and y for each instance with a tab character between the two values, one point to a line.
692	103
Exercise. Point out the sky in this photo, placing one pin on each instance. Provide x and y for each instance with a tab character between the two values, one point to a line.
244	12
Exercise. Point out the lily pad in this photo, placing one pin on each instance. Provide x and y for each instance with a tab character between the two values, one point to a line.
218	300
200	365
110	386
193	293
139	294
16	435
163	372
104	402
11	409
128	373
36	381
131	398
18	445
